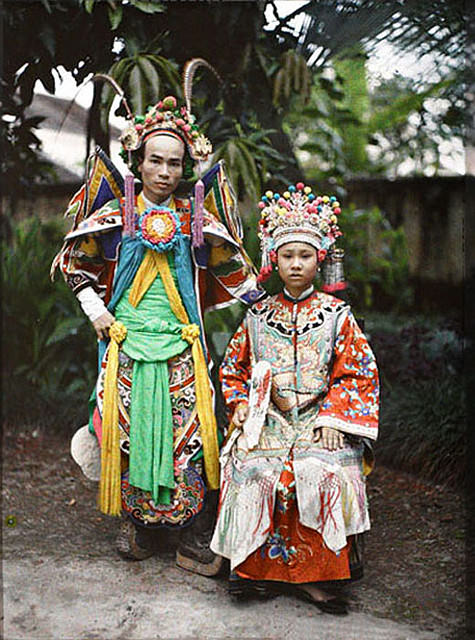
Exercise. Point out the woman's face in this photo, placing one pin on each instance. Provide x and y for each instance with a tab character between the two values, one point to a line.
297	263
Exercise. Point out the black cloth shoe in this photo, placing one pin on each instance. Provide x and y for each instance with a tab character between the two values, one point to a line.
335	605
193	553
246	589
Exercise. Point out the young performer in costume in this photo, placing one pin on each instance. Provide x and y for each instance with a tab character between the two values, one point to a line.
144	269
301	386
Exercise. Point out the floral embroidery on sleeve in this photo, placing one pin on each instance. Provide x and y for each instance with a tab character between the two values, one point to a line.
235	370
351	404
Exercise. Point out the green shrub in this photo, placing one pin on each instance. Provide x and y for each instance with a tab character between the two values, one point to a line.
423	403
376	261
423	430
48	346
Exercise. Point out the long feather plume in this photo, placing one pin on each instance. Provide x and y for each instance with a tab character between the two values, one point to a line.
189	71
129	208
97	76
117	89
68	109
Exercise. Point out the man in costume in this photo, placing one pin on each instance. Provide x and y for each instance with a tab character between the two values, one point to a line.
144	269
301	385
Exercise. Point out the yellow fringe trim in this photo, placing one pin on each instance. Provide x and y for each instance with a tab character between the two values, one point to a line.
109	499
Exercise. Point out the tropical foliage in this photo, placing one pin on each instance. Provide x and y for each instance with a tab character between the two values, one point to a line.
48	359
293	98
376	261
143	77
411	123
269	68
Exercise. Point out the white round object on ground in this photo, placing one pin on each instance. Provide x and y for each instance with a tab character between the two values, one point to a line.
86	453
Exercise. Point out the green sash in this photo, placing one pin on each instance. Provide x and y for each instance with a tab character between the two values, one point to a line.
153	337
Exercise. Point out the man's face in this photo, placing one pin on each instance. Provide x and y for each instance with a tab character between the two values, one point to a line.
162	167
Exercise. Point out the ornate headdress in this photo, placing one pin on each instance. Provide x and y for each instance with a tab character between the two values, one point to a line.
298	215
168	118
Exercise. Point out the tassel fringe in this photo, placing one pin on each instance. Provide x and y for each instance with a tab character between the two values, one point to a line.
198	238
109	500
129	217
330	288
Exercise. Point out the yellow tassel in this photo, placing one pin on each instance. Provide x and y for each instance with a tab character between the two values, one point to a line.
368	464
109	500
204	408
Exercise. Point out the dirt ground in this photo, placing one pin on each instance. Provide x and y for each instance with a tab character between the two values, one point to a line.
415	551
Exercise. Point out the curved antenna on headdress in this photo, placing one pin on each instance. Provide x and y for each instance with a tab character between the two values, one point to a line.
189	71
97	76
68	109
117	88
129	211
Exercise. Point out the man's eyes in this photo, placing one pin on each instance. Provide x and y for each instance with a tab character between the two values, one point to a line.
173	163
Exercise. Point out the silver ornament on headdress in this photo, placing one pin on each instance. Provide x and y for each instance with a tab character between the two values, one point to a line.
333	275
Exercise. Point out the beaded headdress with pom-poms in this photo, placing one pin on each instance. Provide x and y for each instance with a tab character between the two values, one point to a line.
166	115
298	215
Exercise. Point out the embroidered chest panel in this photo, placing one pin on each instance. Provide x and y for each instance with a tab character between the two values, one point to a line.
297	339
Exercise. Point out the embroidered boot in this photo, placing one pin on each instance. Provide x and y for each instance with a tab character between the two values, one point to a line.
129	543
193	552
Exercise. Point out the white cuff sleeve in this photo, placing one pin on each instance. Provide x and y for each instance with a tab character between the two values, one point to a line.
91	303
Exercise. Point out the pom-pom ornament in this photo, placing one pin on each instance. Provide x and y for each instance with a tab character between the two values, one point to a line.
159	228
297	216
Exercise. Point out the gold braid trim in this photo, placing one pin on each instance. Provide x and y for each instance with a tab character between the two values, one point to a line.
109	499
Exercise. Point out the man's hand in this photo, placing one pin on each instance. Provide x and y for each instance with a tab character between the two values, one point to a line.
331	439
102	324
240	415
